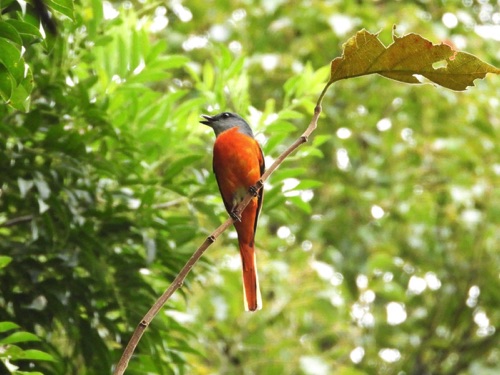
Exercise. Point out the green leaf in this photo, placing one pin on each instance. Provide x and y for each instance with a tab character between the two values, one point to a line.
274	141
18	337
390	291
346	370
4	261
380	262
174	168
11	59
35	354
320	139
103	40
281	174
7	326
308	184
20	98
27	31
62	6
298	202
208	75
136	53
6	83
288	114
169	62
282	127
12	352
8	31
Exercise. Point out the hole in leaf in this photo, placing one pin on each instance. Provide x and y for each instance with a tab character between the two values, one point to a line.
419	77
440	64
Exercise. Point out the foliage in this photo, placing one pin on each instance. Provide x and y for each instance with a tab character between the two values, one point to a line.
378	237
9	344
78	214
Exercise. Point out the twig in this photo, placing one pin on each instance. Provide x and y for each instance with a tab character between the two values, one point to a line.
178	281
161	206
176	284
17	220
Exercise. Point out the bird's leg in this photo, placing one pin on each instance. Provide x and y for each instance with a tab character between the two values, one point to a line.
235	213
254	189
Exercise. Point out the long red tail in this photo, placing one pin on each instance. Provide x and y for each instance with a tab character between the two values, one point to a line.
252	297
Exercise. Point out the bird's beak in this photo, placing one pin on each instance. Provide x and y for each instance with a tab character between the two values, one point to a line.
208	119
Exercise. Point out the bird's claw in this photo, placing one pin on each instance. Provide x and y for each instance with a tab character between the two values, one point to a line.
254	189
235	215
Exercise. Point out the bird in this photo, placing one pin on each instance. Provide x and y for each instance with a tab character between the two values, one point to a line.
238	164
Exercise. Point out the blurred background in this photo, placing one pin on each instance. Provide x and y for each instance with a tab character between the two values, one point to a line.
378	243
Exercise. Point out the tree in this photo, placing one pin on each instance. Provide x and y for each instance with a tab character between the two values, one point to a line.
388	225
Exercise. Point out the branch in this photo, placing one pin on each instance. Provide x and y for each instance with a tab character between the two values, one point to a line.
17	220
165	205
178	281
176	284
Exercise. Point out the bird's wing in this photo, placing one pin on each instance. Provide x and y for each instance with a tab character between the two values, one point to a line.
261	191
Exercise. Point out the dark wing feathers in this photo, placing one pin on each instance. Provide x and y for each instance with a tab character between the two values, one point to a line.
261	192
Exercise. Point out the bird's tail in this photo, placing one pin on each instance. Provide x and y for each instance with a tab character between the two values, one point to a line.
251	290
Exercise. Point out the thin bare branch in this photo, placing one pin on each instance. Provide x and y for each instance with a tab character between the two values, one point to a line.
17	220
165	205
176	284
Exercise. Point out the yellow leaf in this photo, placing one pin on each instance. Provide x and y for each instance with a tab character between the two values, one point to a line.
406	58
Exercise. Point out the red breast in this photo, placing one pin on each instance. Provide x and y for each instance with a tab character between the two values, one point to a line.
237	162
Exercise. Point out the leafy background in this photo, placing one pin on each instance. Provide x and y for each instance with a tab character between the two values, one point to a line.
378	242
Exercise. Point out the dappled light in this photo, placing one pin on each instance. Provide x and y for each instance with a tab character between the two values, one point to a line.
396	313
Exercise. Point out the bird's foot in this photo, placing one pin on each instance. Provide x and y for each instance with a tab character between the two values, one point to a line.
236	215
254	189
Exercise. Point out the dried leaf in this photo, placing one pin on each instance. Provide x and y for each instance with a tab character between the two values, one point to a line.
406	58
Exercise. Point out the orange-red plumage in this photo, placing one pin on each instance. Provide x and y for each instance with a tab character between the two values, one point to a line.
238	164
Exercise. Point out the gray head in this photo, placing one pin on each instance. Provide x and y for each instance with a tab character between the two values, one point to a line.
227	120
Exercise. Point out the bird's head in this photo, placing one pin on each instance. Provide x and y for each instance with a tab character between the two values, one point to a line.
227	120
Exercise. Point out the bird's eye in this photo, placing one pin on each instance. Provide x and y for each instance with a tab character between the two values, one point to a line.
226	115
